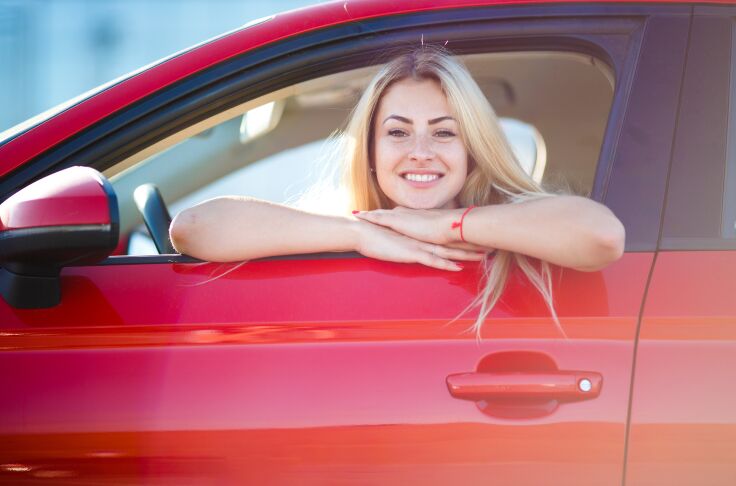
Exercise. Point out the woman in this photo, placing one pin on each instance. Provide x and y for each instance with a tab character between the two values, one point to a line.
432	180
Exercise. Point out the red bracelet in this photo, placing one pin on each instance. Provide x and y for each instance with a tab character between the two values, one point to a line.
456	224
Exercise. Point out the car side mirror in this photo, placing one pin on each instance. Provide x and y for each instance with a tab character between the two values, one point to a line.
67	218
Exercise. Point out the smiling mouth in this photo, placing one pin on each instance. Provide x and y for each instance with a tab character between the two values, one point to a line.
413	177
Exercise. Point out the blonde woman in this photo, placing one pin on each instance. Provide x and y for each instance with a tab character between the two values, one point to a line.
432	180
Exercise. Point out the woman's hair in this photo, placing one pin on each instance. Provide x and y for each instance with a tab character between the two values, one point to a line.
494	174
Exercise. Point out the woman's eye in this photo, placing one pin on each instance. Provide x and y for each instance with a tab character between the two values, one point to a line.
395	132
444	133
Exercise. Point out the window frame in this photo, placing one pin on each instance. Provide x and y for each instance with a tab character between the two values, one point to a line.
613	34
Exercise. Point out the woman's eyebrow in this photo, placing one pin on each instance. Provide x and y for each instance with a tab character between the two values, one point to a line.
408	121
397	117
439	119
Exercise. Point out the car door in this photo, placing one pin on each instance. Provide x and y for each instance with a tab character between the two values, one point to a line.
345	370
682	418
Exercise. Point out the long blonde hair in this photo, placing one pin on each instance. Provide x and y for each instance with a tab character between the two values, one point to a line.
494	177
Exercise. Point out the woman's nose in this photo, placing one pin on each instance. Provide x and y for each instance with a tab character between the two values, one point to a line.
422	148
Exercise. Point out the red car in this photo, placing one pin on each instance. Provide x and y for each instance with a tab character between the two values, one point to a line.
338	369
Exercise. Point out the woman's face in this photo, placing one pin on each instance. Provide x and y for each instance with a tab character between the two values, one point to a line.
420	159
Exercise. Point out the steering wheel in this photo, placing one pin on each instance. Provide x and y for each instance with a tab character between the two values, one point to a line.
152	207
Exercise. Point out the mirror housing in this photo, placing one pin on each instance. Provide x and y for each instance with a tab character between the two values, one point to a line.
67	218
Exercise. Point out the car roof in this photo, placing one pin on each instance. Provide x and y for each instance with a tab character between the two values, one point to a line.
29	139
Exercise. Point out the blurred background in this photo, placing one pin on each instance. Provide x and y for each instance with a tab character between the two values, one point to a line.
54	50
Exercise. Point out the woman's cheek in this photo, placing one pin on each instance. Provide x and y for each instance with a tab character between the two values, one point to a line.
388	157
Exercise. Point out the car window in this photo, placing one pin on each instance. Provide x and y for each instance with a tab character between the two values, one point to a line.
282	177
729	202
277	147
701	193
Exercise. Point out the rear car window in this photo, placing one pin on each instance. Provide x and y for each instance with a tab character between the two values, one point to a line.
729	201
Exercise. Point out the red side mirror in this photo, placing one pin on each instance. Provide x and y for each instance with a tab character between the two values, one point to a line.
70	217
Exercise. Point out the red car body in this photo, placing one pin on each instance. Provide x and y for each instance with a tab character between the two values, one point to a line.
315	370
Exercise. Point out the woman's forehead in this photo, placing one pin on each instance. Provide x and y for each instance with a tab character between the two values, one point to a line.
414	99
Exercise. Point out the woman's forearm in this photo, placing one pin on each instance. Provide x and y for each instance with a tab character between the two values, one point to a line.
236	228
569	231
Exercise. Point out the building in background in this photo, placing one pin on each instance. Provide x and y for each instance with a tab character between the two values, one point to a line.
54	50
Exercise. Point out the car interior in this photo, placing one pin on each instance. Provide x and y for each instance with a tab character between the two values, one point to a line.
553	108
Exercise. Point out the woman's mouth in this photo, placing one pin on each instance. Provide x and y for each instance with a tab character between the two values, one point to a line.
421	179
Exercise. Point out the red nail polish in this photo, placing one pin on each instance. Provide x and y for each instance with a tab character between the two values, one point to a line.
460	265
356	212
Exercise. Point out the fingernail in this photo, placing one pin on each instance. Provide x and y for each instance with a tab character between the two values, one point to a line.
356	212
460	265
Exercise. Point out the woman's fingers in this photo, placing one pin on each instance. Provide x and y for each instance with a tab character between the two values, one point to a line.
386	244
417	224
433	260
452	253
438	256
378	216
469	247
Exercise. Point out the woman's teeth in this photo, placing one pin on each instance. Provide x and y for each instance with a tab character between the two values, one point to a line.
421	177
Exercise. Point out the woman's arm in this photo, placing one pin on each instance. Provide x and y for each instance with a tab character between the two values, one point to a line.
228	229
237	228
569	231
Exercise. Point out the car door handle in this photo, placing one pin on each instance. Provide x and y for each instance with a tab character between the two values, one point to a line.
547	385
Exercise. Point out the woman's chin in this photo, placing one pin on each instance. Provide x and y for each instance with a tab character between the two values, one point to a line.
427	204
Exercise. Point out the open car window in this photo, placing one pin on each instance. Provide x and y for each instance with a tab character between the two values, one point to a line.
553	107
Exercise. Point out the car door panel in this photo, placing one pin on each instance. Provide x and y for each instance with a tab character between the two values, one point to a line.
682	424
363	389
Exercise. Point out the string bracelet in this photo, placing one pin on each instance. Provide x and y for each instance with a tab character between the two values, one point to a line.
459	224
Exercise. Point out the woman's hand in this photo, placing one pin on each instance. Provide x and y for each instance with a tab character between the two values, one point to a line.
382	243
429	225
